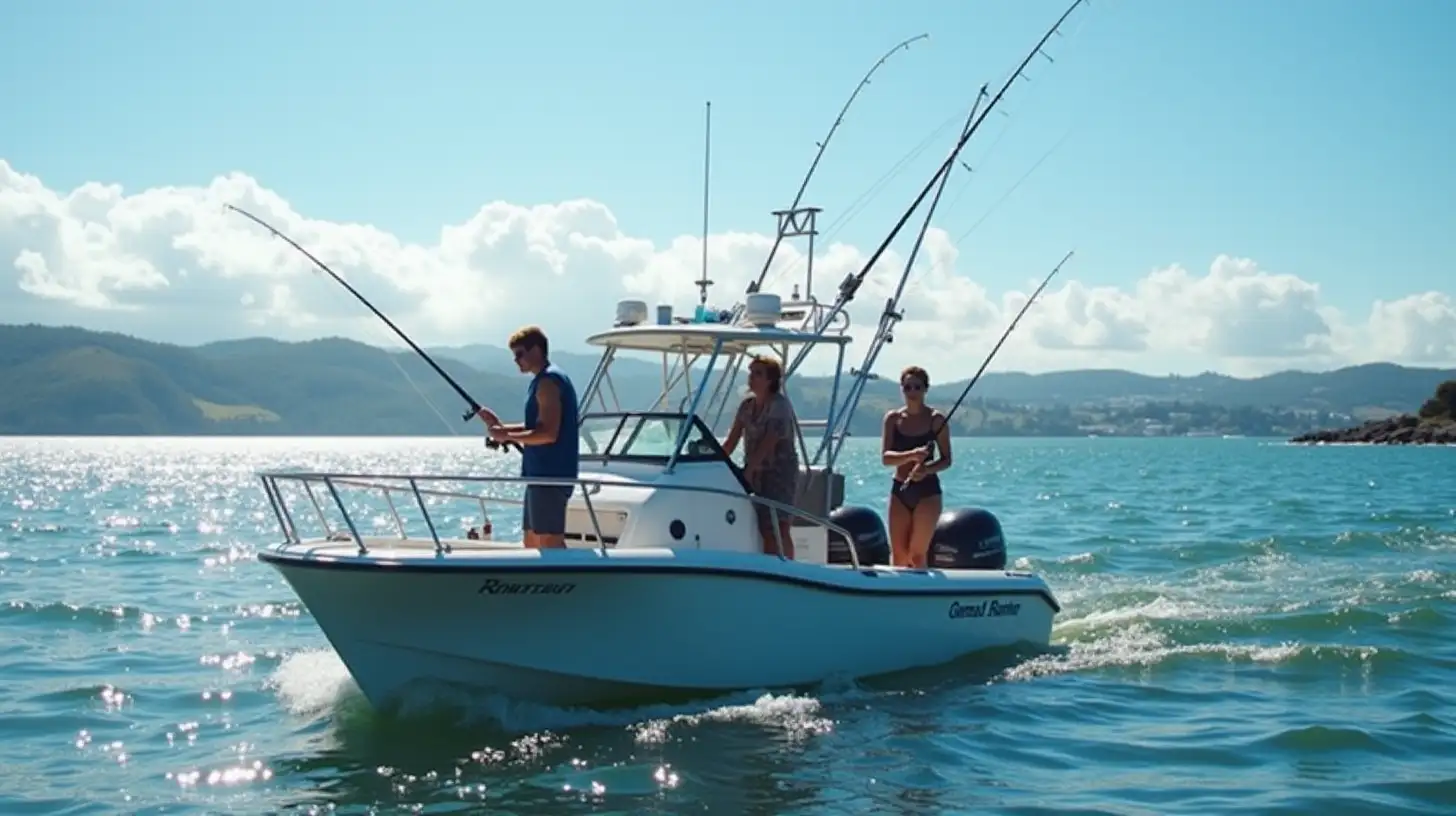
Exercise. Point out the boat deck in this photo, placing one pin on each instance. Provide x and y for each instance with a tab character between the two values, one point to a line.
395	549
471	555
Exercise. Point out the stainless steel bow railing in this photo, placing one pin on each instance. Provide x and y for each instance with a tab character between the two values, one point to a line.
418	487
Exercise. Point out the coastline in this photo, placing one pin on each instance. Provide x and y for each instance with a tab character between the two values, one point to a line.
1405	429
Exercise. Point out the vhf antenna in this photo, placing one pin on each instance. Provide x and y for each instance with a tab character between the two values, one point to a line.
703	282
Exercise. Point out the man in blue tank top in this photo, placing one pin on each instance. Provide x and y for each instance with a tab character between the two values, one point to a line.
550	446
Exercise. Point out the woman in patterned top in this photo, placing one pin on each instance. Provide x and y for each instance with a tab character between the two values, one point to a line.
766	423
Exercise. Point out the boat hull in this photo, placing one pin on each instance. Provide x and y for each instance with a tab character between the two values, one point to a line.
574	627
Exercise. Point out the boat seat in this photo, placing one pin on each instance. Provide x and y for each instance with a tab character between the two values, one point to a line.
820	490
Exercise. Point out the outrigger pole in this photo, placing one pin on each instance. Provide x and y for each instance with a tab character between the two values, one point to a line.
852	282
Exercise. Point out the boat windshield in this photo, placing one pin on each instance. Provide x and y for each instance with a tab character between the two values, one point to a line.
646	437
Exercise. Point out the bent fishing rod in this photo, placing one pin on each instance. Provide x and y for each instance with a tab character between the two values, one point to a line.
945	419
823	145
475	407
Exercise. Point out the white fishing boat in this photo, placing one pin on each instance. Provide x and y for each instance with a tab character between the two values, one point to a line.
664	588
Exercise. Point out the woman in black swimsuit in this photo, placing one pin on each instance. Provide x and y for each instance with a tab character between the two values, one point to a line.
910	436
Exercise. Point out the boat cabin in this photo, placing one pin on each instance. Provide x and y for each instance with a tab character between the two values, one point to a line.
630	439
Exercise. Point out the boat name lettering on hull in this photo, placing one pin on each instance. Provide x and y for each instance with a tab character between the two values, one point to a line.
984	609
495	586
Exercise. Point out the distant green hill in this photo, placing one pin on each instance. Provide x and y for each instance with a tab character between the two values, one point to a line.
66	380
73	381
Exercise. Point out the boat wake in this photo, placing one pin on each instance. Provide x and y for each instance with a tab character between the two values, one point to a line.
315	683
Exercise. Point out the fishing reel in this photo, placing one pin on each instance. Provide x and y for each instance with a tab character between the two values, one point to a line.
491	444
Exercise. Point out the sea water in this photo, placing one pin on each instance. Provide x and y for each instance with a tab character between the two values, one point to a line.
1249	627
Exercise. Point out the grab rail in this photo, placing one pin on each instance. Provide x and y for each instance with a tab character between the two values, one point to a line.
410	484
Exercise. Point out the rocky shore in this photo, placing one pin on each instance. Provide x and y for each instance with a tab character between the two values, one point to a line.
1405	429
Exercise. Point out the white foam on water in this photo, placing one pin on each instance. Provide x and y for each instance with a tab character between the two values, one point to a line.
798	717
1140	645
313	682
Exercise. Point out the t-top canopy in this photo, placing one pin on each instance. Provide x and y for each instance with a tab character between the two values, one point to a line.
700	337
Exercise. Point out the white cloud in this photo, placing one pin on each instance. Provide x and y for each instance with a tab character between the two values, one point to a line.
170	263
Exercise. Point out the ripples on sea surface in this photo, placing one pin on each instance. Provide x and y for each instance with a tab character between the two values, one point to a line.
1248	628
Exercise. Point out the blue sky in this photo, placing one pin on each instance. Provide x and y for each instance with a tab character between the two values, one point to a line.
1314	137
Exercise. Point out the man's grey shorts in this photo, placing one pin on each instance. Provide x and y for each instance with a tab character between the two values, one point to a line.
544	512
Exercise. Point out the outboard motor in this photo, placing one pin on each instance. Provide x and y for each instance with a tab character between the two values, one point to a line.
871	542
967	538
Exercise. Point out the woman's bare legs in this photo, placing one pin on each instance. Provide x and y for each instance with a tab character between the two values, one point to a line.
922	529
901	519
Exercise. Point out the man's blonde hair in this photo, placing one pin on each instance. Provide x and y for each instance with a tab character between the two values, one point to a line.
529	337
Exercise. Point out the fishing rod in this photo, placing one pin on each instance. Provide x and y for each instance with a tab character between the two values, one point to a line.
852	283
945	419
934	203
1004	196
860	203
910	259
475	407
824	144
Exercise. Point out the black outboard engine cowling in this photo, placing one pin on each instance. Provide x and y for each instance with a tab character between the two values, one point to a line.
871	542
968	538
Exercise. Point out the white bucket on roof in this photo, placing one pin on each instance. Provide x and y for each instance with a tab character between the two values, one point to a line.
631	312
763	309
